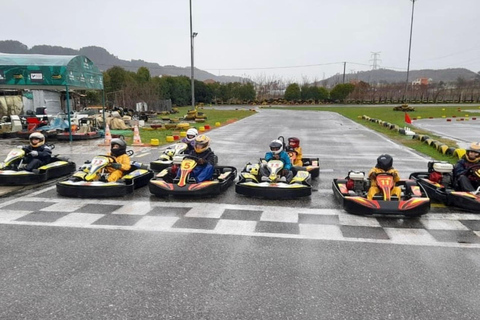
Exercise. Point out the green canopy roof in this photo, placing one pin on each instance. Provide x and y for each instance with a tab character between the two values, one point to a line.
46	72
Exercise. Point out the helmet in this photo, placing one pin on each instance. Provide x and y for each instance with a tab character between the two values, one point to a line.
474	147
192	133
202	142
294	142
121	143
39	136
276	146
384	162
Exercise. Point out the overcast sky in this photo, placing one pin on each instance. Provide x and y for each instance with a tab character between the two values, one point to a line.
290	40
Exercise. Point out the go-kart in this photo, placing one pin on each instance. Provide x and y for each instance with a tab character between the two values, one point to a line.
309	164
439	184
251	182
90	181
12	169
166	159
351	192
166	182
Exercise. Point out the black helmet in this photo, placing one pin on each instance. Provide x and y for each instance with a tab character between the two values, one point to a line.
121	143
384	162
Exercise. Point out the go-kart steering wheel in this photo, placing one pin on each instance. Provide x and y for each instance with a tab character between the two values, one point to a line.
111	158
472	170
190	156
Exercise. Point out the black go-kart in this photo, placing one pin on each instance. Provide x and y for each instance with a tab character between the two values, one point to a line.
352	191
166	182
90	181
12	169
439	184
273	186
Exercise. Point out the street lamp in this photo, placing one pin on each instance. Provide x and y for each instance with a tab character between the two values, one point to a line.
409	49
192	35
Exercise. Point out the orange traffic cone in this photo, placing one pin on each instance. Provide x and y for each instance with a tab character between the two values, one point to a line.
108	136
137	141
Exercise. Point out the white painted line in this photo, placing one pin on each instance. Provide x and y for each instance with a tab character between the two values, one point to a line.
7	216
156	223
78	219
238	227
316	231
279	216
352	220
432	224
62	207
203	211
135	208
410	236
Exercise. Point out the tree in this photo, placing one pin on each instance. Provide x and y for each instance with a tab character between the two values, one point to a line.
143	75
245	92
292	92
341	91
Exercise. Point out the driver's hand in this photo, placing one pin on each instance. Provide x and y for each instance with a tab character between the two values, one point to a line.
116	165
201	161
276	156
34	153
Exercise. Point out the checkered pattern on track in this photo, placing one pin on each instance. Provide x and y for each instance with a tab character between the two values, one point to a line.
452	229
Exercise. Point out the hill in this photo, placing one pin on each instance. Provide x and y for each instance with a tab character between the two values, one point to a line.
104	60
390	76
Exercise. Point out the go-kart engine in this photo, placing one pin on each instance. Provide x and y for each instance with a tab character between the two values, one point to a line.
446	179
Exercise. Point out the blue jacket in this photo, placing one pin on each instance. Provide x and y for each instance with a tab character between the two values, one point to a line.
287	164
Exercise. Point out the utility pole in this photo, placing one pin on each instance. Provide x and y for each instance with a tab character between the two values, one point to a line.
192	35
409	50
344	68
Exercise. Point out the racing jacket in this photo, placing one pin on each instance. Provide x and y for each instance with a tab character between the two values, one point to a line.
375	171
206	155
124	160
44	153
287	164
462	167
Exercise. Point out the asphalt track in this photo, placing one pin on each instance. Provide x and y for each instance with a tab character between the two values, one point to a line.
233	257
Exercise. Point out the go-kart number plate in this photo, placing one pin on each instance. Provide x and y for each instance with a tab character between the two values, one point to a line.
98	162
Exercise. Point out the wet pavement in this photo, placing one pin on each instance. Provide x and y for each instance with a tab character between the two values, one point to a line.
464	128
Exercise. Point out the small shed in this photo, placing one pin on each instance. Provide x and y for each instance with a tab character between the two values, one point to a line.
48	72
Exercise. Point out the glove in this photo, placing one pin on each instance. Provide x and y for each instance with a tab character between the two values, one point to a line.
34	153
201	161
19	147
116	165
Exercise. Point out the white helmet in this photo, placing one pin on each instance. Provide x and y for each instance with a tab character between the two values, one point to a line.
276	146
192	133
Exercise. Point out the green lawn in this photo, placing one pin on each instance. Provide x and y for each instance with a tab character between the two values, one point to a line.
213	118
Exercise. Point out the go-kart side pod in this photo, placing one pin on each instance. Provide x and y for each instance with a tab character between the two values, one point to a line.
252	186
413	201
55	169
164	184
75	188
446	194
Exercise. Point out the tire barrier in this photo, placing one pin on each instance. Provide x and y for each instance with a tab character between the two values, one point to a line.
439	146
459	153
